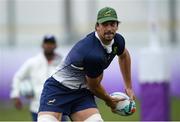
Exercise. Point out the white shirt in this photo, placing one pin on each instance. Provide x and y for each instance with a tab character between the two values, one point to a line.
35	70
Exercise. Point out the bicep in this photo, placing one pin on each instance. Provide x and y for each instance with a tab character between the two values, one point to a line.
24	71
93	68
121	46
94	82
125	54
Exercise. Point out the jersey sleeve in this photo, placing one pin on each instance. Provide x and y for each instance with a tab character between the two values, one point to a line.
93	67
120	44
22	74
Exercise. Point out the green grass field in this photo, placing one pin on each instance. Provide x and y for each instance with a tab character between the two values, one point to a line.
9	113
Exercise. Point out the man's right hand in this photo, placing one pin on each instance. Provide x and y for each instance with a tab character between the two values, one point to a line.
113	102
17	103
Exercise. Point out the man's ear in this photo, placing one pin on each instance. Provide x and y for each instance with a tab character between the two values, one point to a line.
42	45
97	24
55	46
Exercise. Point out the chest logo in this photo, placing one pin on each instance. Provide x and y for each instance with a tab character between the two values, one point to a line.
115	50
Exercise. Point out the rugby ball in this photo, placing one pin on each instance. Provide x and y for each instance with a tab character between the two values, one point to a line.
26	89
125	107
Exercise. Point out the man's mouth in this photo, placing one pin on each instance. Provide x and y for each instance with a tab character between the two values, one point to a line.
109	33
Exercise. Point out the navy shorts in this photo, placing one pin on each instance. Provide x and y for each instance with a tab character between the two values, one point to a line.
56	97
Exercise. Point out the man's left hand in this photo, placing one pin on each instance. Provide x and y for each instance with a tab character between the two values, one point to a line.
130	93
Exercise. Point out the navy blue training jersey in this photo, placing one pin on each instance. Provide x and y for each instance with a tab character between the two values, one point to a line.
87	57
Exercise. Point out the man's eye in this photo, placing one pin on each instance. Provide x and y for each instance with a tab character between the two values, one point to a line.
112	24
105	24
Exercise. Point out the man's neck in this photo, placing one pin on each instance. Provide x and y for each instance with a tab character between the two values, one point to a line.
49	57
104	42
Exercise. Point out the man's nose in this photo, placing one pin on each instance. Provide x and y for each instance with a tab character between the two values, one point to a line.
108	27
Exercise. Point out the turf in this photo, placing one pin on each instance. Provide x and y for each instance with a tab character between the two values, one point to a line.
9	113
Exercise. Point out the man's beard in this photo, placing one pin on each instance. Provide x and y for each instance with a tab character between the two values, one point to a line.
49	53
108	36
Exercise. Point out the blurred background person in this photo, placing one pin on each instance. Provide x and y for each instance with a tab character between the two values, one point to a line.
29	79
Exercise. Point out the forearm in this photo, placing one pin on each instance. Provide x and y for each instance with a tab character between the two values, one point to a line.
97	89
125	66
19	77
15	93
100	93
